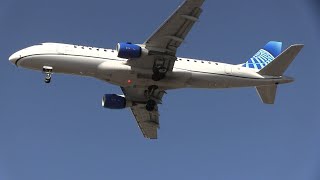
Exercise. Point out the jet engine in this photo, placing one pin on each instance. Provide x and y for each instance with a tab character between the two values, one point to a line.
114	101
128	50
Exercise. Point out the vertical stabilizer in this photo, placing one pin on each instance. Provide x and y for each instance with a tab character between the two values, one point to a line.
282	62
264	56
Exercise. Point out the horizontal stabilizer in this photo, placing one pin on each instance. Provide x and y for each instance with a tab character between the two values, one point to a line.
280	64
267	93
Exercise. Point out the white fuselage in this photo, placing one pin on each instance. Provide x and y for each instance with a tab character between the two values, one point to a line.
104	64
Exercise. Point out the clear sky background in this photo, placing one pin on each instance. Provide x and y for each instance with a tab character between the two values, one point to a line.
61	132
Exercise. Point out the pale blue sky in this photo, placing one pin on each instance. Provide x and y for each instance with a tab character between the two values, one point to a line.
60	131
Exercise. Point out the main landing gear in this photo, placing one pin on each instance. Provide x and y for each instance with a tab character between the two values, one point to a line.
47	70
151	103
159	72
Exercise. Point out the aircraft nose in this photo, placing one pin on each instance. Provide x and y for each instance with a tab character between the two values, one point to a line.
14	57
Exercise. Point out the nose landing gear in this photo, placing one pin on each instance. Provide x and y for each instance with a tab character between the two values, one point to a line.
47	70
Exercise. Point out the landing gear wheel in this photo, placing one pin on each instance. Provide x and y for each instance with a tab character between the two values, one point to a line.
159	73
47	80
162	70
47	70
159	69
151	104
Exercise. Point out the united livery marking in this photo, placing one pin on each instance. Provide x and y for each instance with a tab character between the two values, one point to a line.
259	60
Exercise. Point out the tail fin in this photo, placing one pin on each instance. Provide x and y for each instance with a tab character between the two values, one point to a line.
282	62
276	68
267	93
264	56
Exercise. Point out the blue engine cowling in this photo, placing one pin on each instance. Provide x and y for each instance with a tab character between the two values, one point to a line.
128	50
113	101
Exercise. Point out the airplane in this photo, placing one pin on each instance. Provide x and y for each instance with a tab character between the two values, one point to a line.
145	72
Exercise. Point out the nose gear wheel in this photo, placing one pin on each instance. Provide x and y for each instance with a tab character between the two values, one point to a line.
47	70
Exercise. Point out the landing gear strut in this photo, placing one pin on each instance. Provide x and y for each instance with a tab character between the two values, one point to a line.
151	89
151	104
47	70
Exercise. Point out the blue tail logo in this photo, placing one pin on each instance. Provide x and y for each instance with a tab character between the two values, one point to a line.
264	56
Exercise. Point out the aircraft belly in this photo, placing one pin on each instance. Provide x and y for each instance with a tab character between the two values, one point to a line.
206	80
116	72
120	74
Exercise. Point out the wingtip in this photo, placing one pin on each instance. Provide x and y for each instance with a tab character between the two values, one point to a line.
298	45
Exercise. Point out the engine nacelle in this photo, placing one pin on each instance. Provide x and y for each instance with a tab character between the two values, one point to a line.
114	101
128	50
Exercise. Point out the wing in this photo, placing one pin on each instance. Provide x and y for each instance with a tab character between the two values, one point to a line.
163	43
169	36
148	122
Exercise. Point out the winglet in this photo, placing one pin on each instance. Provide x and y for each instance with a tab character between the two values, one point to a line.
280	64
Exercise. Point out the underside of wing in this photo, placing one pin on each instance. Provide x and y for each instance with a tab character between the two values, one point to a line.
148	120
162	45
169	36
